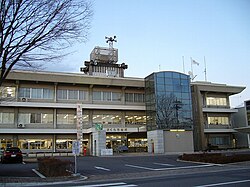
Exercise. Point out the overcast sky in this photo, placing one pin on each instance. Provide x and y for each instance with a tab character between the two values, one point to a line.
155	35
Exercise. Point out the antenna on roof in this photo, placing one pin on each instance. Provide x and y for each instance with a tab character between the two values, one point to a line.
205	70
110	40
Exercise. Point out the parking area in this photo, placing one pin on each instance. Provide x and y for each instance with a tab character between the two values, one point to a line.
18	170
90	166
110	165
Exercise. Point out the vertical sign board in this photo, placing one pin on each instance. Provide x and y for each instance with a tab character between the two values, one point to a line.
76	147
79	124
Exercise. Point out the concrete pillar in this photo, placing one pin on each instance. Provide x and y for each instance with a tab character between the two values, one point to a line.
155	141
248	140
99	142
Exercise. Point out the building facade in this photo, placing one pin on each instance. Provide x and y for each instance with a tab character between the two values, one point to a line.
169	112
242	125
38	110
213	123
47	111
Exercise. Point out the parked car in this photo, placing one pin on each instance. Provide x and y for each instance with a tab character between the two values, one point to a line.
12	154
122	148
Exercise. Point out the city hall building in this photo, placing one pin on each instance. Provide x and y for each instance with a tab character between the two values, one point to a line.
47	111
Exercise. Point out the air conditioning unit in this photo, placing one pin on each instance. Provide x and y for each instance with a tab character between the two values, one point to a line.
20	125
24	99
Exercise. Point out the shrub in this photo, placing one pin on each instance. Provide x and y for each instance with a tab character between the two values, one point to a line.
217	158
52	167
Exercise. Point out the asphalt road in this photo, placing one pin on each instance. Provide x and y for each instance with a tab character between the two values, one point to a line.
89	166
142	171
92	166
239	177
17	170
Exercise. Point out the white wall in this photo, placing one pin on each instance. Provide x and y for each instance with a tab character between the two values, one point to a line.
99	142
155	141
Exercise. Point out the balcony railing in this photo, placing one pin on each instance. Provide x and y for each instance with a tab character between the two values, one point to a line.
216	106
218	126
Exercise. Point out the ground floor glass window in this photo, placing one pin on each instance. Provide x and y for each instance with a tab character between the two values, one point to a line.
64	144
35	143
4	143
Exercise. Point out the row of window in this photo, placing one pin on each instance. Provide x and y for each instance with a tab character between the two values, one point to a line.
216	101
216	120
44	144
65	94
220	140
45	118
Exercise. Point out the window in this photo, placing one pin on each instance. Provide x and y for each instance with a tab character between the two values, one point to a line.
134	97
129	97
66	118
26	118
36	93
135	119
106	96
24	92
6	143
35	143
217	120
6	118
48	94
35	118
8	92
72	94
83	95
219	140
62	94
138	98
107	119
64	144
116	96
217	101
47	118
97	96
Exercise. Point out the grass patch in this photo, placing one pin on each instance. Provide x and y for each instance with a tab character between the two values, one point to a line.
217	158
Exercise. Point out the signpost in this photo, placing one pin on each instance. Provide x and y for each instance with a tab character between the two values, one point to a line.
76	146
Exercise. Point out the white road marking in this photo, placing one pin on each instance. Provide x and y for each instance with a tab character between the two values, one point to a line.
140	167
23	163
107	184
118	184
224	183
185	167
38	173
128	185
162	164
105	169
162	169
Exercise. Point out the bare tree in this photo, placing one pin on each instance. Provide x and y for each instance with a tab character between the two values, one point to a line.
165	111
170	113
36	31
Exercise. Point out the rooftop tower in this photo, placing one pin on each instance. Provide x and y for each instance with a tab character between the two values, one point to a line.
103	61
